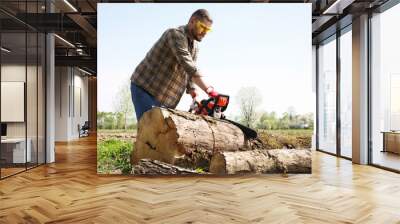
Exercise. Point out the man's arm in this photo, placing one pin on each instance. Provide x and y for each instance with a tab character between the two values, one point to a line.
196	78
178	43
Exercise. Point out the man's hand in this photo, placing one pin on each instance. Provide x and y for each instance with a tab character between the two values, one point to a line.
193	93
211	92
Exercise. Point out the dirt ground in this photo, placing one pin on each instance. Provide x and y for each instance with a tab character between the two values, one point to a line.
118	135
272	139
285	139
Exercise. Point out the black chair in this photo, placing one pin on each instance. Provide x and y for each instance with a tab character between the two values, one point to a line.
84	130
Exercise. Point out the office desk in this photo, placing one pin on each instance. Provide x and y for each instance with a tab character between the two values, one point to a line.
391	141
13	150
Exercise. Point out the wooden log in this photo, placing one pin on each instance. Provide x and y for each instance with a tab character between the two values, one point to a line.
262	161
155	167
184	139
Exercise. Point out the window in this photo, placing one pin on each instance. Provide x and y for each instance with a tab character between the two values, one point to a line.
346	94
385	89
327	96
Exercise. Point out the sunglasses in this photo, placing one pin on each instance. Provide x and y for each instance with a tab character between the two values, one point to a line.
202	27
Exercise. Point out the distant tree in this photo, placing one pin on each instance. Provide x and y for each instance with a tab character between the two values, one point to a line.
248	98
308	120
100	120
284	121
288	120
267	121
109	120
123	103
291	112
120	120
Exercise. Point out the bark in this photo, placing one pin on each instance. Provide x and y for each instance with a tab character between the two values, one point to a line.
154	167
184	139
262	161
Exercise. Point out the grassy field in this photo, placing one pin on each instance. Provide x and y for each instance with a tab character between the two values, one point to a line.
293	138
113	156
307	132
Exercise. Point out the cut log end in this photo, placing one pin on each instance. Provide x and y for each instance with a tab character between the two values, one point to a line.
292	160
218	164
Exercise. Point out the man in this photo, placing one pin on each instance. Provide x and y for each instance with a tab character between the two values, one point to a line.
170	67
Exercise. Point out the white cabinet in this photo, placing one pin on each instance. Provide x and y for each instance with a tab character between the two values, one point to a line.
16	147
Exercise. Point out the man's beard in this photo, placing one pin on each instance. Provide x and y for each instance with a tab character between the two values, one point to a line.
195	36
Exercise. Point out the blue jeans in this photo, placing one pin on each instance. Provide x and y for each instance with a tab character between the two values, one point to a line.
142	100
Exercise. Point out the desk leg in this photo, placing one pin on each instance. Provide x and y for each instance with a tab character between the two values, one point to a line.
384	142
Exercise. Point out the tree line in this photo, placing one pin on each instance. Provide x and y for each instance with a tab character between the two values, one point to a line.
248	99
270	121
115	120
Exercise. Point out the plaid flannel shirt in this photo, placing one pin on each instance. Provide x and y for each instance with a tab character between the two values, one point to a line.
168	67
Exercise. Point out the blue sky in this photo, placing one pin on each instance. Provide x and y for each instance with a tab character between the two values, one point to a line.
267	46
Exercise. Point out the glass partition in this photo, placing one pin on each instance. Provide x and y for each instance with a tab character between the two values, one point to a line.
22	88
31	98
385	89
327	96
14	154
41	86
346	94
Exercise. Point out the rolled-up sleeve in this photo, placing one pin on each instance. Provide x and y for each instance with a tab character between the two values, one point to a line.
178	43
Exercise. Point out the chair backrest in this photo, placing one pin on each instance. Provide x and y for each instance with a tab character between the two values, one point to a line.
86	125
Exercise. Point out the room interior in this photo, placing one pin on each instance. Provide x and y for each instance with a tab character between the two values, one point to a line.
48	91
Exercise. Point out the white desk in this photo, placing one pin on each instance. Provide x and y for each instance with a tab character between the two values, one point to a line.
17	146
391	141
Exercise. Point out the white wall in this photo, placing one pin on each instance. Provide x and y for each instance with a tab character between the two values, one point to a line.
71	102
81	108
62	81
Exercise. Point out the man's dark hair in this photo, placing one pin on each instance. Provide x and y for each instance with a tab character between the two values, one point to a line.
202	14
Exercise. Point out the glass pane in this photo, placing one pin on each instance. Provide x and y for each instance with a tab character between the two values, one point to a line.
13	86
31	97
41	98
346	94
31	84
327	97
386	89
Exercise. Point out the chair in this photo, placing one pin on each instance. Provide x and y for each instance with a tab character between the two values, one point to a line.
84	130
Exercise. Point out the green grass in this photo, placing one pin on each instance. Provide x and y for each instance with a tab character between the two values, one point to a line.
112	155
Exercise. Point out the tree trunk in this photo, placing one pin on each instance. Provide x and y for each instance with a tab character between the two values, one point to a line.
184	139
125	121
262	161
154	167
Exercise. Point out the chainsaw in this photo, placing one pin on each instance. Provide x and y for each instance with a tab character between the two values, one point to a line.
214	107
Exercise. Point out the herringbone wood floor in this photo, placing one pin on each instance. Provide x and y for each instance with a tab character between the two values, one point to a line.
70	191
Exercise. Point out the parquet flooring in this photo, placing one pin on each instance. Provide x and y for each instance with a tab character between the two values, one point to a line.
10	171
70	191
